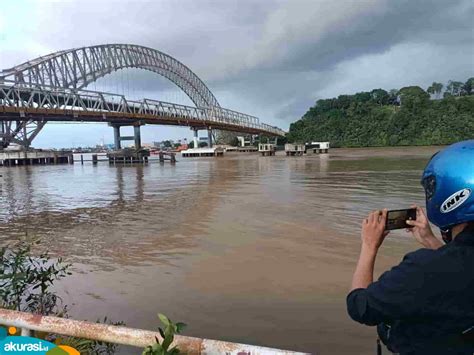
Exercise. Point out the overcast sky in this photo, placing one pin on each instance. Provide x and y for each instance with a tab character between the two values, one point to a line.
268	58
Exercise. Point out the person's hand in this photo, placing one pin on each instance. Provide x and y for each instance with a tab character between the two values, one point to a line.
373	229
421	230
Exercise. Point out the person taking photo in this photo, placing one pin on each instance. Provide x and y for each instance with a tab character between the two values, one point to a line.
425	305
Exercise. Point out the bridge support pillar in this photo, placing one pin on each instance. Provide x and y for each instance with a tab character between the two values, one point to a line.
209	138
118	138
117	144
2	131
195	138
138	138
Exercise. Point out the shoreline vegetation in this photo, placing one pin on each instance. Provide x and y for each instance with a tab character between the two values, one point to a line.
410	116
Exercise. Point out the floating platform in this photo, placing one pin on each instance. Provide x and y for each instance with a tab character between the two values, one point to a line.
294	149
202	152
246	149
266	149
317	147
249	149
128	156
35	157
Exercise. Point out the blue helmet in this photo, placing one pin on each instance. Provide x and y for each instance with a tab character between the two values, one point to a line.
448	180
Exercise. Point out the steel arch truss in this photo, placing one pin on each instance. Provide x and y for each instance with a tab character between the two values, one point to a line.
77	68
19	132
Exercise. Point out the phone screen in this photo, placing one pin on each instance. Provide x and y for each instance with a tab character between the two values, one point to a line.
396	219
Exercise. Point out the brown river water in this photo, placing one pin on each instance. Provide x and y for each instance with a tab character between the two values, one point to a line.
243	248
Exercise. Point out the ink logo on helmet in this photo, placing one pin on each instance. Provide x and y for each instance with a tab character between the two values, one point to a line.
13	344
455	200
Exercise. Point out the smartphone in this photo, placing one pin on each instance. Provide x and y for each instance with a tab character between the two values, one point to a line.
396	219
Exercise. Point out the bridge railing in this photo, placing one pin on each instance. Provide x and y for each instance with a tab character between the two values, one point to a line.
26	95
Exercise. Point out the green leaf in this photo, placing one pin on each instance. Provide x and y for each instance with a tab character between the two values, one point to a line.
162	333
164	319
180	327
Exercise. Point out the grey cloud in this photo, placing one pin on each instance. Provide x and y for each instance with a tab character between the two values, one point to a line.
281	55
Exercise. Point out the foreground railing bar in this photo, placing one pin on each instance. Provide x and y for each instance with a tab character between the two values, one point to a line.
124	335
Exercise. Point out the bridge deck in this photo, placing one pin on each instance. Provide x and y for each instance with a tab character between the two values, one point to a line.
58	115
23	102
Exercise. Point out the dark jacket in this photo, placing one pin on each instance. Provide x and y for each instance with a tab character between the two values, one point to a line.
423	305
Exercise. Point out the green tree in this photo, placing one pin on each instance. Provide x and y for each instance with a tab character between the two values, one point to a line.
435	89
468	88
413	97
380	97
234	142
360	120
455	88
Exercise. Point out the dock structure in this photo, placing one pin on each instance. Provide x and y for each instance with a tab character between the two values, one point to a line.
202	152
35	157
128	156
317	147
294	149
246	149
167	156
266	149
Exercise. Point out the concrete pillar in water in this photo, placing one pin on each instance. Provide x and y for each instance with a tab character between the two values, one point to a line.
195	138
209	137
117	138
138	139
2	130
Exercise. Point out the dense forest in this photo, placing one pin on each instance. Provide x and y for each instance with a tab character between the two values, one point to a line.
409	116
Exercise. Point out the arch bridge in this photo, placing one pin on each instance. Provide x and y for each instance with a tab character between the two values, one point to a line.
51	88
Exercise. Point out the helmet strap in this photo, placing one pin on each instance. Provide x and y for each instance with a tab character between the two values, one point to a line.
447	235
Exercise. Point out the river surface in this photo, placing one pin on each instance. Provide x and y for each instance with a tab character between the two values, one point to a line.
242	248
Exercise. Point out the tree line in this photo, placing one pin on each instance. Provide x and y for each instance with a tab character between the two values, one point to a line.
408	116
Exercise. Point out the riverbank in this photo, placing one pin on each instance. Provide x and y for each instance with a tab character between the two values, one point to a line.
377	118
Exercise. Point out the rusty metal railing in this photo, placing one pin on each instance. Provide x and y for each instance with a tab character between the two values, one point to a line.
124	335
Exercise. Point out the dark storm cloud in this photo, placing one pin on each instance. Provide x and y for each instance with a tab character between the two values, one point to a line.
270	57
361	30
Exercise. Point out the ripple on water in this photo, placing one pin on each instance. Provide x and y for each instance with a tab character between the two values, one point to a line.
247	236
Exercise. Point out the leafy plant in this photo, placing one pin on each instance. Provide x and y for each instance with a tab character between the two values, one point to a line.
25	280
87	346
25	285
171	329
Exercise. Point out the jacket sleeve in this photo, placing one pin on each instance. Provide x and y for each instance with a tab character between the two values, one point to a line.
397	294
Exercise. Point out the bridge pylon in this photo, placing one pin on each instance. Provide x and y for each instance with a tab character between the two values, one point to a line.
118	138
